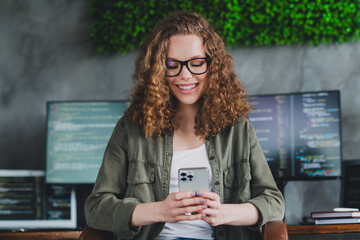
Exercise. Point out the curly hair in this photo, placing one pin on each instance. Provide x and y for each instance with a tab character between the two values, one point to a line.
154	107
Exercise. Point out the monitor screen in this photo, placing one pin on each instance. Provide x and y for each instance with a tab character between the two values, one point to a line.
300	133
28	203
350	184
77	135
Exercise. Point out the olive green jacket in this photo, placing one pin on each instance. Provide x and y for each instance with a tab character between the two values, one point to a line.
137	170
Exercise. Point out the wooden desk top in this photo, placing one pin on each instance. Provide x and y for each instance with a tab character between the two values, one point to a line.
53	235
292	230
315	229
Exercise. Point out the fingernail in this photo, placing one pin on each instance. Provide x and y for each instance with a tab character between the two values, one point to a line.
193	194
203	215
204	207
199	194
201	200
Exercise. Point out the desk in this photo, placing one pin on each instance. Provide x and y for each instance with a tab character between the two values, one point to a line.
53	235
322	232
314	232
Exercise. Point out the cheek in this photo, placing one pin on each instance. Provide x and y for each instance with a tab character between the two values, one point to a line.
203	79
169	81
205	82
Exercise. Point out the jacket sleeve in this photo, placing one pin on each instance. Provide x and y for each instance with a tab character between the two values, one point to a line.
266	197
106	208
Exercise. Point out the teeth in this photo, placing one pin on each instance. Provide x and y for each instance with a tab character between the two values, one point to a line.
187	87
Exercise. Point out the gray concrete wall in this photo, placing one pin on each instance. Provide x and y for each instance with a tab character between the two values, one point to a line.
46	54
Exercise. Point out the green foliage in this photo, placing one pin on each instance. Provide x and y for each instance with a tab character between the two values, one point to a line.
122	25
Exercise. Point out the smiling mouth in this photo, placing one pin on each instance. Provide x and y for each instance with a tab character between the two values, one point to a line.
187	87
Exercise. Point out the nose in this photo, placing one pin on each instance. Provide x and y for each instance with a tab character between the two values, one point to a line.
185	74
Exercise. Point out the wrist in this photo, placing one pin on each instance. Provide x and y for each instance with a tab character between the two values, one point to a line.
157	208
147	213
243	214
224	209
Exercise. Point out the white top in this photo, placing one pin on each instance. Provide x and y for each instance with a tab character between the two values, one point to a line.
193	158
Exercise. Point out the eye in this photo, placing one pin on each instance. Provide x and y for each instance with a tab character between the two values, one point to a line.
197	62
172	64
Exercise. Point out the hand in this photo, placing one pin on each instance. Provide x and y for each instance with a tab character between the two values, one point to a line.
182	206
238	214
213	212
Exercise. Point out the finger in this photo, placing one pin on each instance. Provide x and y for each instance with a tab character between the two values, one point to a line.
189	202
189	210
210	212
209	195
210	220
191	217
182	195
212	204
212	216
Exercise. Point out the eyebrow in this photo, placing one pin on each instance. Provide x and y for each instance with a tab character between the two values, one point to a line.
197	56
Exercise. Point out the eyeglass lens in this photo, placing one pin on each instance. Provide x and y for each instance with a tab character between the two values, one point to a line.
195	66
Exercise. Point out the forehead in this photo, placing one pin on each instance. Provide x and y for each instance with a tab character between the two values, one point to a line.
183	47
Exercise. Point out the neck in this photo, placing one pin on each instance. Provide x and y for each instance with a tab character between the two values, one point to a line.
188	114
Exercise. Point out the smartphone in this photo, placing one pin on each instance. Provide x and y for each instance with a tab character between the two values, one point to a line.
194	179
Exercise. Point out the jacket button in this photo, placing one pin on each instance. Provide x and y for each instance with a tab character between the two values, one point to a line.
217	183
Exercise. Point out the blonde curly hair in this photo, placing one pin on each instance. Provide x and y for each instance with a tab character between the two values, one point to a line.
154	107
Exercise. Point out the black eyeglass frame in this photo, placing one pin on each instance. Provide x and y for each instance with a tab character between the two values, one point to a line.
182	63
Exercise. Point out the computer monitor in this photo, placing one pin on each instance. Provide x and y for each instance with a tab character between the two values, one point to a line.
350	184
28	203
77	135
300	133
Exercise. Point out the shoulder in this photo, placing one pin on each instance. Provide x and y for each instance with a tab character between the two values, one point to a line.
242	129
124	129
126	124
242	125
133	131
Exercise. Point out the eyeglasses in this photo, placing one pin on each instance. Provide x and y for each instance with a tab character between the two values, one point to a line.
196	66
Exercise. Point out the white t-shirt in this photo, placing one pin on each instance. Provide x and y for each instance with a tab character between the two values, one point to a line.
191	229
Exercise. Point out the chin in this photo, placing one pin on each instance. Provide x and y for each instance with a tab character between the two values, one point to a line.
189	101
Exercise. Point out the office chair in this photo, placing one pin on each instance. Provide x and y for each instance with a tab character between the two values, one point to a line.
275	230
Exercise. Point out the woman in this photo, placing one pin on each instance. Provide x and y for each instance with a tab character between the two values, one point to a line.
188	110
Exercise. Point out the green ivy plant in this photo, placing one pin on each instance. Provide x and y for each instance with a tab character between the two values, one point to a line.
119	26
